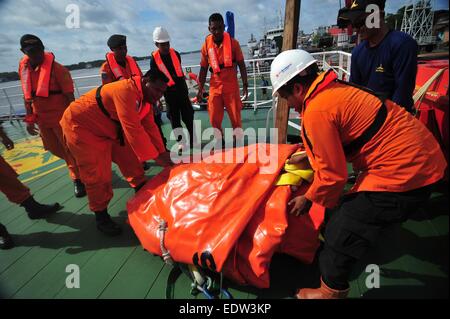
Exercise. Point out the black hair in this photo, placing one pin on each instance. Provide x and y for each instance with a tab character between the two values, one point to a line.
306	80
215	17
155	74
30	40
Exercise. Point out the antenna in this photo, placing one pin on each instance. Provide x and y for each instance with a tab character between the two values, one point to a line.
265	27
280	21
418	20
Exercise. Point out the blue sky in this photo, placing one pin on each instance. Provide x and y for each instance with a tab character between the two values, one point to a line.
186	21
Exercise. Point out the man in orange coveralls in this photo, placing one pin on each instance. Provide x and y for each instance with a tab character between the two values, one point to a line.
398	158
96	123
48	89
222	53
120	66
18	193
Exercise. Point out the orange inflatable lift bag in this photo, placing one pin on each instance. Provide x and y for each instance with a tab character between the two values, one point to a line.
228	218
273	230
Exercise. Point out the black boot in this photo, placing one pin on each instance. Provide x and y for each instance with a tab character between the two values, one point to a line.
146	166
6	241
36	210
106	225
137	188
351	179
78	188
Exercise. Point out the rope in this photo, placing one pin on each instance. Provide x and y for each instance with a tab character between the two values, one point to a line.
420	94
164	252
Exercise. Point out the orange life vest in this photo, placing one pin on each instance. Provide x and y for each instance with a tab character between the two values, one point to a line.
116	69
176	64
43	85
193	76
213	56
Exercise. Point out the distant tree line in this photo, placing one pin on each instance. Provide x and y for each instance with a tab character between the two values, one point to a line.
9	76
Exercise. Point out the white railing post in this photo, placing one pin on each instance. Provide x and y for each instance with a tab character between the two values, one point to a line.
11	108
271	110
76	88
341	65
254	87
349	65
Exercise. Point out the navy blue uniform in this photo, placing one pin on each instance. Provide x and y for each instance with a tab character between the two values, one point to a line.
389	69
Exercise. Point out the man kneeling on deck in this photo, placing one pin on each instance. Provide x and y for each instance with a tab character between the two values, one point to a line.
104	117
18	193
398	158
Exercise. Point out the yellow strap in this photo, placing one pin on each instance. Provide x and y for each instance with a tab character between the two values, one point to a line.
294	175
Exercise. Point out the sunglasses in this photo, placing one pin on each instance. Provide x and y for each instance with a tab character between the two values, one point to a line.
359	22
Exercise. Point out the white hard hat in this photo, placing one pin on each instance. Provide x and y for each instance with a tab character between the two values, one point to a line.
287	65
160	35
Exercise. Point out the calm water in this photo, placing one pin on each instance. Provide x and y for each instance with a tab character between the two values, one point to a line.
14	92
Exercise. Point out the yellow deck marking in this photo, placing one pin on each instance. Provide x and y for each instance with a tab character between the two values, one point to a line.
30	158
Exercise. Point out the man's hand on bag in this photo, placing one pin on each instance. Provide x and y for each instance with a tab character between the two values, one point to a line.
299	205
301	160
297	158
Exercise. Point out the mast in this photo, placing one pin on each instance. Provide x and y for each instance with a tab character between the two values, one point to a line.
418	21
291	20
280	19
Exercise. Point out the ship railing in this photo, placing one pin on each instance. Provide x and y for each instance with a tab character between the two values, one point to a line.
11	97
338	61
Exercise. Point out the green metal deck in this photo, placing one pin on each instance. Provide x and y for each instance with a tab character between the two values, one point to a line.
413	257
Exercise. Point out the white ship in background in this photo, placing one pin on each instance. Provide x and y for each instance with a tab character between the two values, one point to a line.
252	45
270	44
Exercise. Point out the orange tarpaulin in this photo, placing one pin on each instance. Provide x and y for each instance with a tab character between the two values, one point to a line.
226	217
